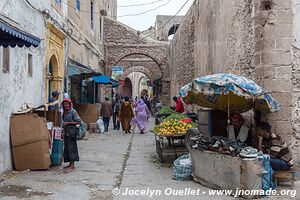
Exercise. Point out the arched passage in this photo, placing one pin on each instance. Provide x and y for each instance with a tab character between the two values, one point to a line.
138	56
53	79
134	45
127	89
140	69
172	31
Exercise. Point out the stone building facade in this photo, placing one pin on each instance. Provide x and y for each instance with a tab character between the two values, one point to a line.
255	38
18	84
85	52
65	34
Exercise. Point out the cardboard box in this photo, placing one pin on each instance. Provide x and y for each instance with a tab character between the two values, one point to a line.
34	156
30	142
89	113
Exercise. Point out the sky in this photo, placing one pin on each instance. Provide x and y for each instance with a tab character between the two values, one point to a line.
144	21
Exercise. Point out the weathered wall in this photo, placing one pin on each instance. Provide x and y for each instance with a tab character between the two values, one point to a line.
215	36
296	78
255	38
16	87
181	53
273	60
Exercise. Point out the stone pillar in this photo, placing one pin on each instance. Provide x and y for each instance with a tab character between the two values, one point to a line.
273	59
166	92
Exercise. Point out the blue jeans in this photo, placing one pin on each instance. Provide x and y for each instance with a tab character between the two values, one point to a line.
278	164
106	123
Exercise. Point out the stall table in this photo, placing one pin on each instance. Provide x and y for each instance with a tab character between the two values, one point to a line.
219	171
170	145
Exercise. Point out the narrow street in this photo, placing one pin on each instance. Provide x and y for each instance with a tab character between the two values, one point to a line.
109	160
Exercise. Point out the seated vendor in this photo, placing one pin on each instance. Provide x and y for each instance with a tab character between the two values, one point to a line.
239	130
179	105
272	144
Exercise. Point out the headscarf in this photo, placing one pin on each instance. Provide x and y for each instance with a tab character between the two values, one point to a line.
140	105
70	106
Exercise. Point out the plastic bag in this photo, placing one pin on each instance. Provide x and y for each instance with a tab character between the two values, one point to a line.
182	169
100	125
82	130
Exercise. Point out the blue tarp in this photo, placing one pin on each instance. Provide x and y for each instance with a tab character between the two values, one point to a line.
105	80
102	79
12	36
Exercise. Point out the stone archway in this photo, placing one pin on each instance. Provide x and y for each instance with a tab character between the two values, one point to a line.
141	69
122	43
172	31
53	77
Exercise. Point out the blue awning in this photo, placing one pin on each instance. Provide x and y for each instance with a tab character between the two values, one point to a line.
105	80
12	36
102	79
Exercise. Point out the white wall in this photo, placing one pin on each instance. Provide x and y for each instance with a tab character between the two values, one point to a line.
16	87
296	22
135	78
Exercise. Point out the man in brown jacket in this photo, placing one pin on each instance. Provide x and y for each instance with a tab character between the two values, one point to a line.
106	113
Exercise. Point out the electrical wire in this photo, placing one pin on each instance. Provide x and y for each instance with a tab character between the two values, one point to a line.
143	4
168	20
128	15
131	15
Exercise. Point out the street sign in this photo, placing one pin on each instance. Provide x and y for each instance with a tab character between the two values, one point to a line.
117	71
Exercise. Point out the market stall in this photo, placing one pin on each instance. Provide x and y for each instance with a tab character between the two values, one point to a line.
170	133
219	161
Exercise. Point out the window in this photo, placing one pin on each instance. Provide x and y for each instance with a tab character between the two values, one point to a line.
58	1
29	65
101	29
5	63
78	5
92	15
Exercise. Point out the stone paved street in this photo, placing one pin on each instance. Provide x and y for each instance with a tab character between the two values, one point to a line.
107	161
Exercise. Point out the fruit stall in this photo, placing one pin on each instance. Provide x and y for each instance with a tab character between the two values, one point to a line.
170	135
163	113
220	161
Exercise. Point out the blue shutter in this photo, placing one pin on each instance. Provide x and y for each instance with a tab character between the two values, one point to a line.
78	5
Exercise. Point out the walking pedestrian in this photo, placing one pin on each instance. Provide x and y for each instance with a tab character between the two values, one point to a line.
126	114
142	115
116	110
70	141
106	113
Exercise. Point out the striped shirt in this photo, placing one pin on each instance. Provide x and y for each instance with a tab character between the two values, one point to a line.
277	148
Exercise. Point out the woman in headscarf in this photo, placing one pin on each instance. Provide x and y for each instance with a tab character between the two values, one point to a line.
142	115
126	114
70	142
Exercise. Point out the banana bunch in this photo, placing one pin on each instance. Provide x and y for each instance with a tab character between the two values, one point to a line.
172	127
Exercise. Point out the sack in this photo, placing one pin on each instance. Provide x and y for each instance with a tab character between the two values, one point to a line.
72	131
82	130
100	125
182	169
